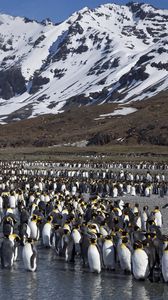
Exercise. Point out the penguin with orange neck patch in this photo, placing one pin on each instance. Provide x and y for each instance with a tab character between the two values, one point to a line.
140	262
94	260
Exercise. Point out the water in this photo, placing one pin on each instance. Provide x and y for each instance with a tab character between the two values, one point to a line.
56	279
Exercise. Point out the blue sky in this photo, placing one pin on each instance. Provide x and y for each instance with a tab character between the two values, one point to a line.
58	10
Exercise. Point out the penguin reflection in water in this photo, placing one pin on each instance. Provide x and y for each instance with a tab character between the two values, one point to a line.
29	255
94	256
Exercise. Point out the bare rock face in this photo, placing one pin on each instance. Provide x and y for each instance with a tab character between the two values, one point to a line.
12	83
101	139
108	54
37	83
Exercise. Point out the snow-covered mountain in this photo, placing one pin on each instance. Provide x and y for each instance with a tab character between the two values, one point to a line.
112	53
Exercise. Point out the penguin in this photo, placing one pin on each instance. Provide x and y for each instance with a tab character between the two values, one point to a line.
84	245
158	217
7	253
67	244
29	255
144	217
35	233
151	247
94	257
58	232
14	238
137	219
109	255
124	254
8	225
103	229
115	192
164	264
140	262
76	236
47	232
24	232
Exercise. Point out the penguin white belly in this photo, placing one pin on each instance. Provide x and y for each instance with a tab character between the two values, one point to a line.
164	265
103	231
115	192
28	230
133	191
140	265
109	255
76	236
94	259
124	258
139	222
27	254
34	230
46	235
144	218
158	219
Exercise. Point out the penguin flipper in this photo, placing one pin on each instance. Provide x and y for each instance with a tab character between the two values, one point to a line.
32	258
165	206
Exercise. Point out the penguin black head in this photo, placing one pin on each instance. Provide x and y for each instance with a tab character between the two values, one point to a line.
166	249
17	238
56	226
30	240
34	218
151	222
165	238
99	235
49	218
124	239
108	237
127	205
146	243
93	240
153	234
146	207
124	233
136	228
137	245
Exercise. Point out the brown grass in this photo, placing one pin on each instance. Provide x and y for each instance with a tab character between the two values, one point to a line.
148	126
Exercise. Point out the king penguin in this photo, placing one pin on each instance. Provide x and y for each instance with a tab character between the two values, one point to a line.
140	262
76	236
124	254
164	264
109	253
35	233
94	257
47	232
14	238
29	255
7	253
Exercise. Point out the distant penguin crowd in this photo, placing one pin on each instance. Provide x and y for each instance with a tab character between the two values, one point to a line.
84	217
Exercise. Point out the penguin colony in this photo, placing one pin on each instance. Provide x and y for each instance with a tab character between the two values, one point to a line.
83	217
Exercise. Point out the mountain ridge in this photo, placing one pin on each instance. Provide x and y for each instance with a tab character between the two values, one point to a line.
109	54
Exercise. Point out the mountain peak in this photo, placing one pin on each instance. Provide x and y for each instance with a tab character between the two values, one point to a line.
109	54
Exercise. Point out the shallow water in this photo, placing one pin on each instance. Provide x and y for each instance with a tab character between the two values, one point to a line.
55	279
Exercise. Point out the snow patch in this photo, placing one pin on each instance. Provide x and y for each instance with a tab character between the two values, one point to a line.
121	111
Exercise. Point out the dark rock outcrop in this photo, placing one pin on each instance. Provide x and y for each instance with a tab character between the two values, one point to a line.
12	83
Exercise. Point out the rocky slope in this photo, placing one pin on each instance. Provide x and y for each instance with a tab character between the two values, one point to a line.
109	54
140	122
